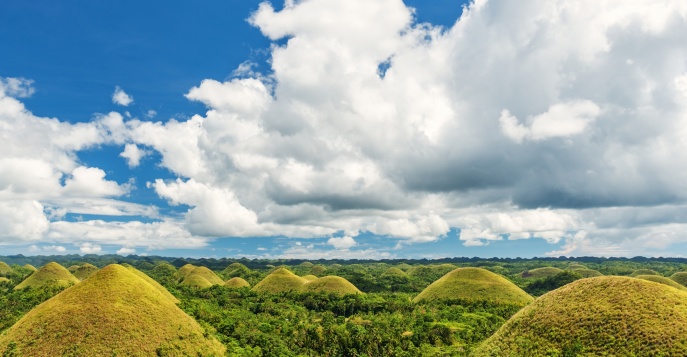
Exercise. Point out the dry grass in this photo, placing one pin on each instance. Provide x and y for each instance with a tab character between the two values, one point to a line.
333	285
661	280
152	282
394	272
540	273
680	278
603	316
280	280
85	271
50	274
474	284
587	273
309	277
237	282
192	278
196	281
30	267
185	270
644	272
114	312
5	269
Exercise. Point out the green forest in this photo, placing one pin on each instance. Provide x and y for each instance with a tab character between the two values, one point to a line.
449	307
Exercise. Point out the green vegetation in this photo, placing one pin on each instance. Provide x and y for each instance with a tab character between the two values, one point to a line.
539	273
395	272
587	273
644	272
4	280
85	271
280	280
317	270
331	285
73	268
474	284
49	274
617	316
680	278
542	286
114	312
236	283
5	269
661	280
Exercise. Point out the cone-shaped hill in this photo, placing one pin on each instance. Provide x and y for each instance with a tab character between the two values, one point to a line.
475	284
85	271
644	272
587	273
280	280
29	267
332	285
680	278
152	282
661	280
199	276
603	316
393	271
235	270
114	312
309	277
73	268
5	269
236	282
540	273
49	274
185	270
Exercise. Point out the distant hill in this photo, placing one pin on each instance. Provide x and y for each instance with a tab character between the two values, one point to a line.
393	271
236	282
280	280
331	284
539	273
662	280
30	267
309	277
587	273
113	312
5	269
609	315
680	278
474	284
49	274
644	272
85	271
200	277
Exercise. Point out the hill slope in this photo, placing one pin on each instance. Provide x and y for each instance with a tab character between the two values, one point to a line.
200	277
236	282
331	284
85	271
281	279
5	269
152	282
474	284
608	315
114	312
539	273
50	274
661	280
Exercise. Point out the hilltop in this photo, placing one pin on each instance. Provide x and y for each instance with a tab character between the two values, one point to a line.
236	282
152	282
539	273
114	312
5	269
281	279
474	284
592	316
202	277
84	271
333	285
49	274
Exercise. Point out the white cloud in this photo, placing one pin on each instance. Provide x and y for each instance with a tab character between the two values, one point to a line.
126	251
90	248
133	154
342	243
121	98
90	181
16	87
561	120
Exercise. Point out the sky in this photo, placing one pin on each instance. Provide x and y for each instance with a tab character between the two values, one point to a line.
344	129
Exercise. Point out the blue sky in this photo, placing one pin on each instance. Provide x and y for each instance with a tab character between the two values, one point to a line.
266	130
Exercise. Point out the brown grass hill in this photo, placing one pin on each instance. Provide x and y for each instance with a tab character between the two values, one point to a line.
5	269
114	312
602	316
73	268
644	272
196	281
85	271
206	273
587	273
236	283
661	280
309	277
443	268
332	285
29	267
236	270
393	271
474	284
680	278
318	270
540	273
183	271
280	280
50	274
152	282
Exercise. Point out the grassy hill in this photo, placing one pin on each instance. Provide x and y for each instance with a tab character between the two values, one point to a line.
309	277
114	312
475	284
235	270
29	267
196	281
4	280
331	284
85	271
587	273
644	272
610	315
152	282
236	282
539	273
185	270
318	270
204	273
680	278
281	279
5	269
393	271
72	268
661	280
50	274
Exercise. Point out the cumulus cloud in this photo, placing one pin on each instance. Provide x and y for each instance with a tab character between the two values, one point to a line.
133	154
121	98
126	251
342	243
90	248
